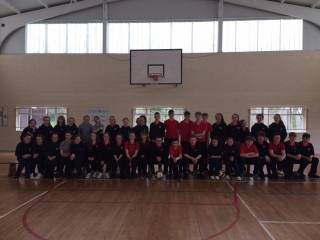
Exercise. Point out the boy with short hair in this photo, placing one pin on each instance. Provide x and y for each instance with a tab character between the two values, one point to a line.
38	157
52	156
125	129
171	127
215	158
159	157
194	155
76	160
185	130
175	159
307	153
259	126
205	117
85	129
157	128
132	151
65	152
294	157
24	155
231	158
264	157
113	128
277	153
45	129
199	129
249	155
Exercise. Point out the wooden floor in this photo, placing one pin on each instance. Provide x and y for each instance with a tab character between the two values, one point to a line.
145	210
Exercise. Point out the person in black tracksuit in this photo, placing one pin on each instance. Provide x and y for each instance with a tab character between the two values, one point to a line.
141	127
60	128
77	157
231	157
294	157
264	157
219	128
38	157
45	129
157	128
277	127
307	153
52	155
194	155
31	129
92	163
144	156
119	158
214	152
159	156
259	126
244	131
234	129
113	129
106	154
24	155
72	127
125	129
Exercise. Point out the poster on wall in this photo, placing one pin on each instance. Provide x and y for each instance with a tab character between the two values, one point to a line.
98	111
3	116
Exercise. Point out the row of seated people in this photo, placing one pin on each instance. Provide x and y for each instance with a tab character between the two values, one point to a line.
110	158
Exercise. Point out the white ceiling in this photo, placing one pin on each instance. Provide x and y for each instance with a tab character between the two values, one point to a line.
11	7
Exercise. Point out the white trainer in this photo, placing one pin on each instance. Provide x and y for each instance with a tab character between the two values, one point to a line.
88	176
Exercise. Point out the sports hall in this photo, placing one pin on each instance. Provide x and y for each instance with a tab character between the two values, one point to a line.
158	119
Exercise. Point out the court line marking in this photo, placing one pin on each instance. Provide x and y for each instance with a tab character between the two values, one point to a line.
23	204
288	222
253	214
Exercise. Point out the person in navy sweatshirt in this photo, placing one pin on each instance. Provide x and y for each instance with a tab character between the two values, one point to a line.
24	155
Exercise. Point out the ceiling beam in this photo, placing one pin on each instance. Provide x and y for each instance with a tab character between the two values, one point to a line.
9	6
11	23
309	14
315	4
43	3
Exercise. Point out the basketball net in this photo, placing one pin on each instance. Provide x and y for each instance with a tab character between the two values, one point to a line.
154	76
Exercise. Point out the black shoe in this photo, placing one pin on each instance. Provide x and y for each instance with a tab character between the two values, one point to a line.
314	176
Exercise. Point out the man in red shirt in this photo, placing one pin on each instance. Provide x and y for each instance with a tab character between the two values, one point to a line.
205	117
278	156
171	127
185	130
249	156
175	158
199	129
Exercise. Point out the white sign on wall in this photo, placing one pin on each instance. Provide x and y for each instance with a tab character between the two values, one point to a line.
98	111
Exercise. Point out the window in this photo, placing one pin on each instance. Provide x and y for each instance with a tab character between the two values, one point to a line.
262	35
192	37
24	114
149	113
294	118
64	38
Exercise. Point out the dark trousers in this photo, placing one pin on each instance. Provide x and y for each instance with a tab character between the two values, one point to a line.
24	164
133	165
198	167
302	165
215	166
314	166
176	167
50	167
232	166
271	166
61	165
74	165
280	166
247	162
142	166
164	162
124	167
38	163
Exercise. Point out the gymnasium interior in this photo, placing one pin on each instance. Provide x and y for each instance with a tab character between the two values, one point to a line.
127	58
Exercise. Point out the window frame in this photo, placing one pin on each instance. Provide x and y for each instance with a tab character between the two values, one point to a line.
19	128
150	112
268	115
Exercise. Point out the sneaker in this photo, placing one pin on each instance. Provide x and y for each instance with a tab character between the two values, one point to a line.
212	177
238	178
98	175
217	178
32	177
228	177
88	176
280	173
39	176
107	176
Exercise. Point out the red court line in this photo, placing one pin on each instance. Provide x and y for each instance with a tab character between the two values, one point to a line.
145	203
236	216
221	232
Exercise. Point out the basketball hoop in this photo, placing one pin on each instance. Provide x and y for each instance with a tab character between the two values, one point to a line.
155	76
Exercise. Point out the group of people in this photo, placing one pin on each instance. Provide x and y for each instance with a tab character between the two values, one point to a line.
168	149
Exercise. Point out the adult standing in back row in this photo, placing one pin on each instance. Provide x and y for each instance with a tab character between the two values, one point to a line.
277	127
85	129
